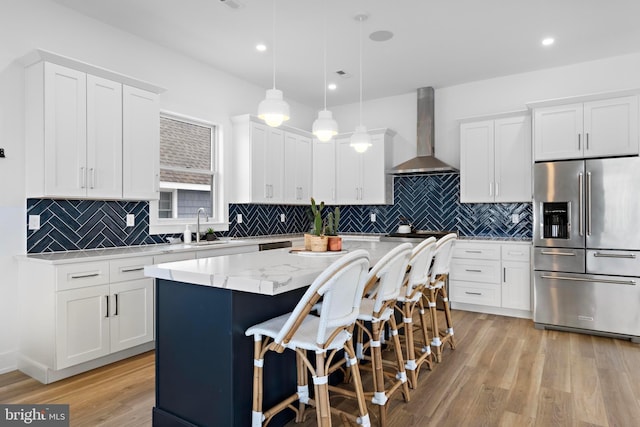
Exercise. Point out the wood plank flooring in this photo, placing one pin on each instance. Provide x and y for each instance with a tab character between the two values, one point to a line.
503	373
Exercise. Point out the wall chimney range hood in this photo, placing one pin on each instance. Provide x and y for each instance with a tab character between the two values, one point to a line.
425	162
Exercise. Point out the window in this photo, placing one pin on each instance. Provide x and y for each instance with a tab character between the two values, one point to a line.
188	174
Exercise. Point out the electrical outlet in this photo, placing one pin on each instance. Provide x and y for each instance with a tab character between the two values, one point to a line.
131	220
373	217
515	218
283	218
239	218
34	222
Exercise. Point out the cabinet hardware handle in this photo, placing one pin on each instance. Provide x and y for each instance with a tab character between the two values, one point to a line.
469	251
129	270
514	253
579	145
472	270
587	140
93	177
584	279
333	193
558	253
107	298
473	293
266	191
84	276
83	178
504	274
601	255
497	189
116	313
157	183
491	189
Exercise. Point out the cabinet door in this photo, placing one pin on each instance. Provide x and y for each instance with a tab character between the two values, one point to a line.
297	169
557	132
82	325
512	146
611	127
324	171
104	138
516	289
274	165
131	313
348	174
259	146
140	144
477	162
373	186
65	127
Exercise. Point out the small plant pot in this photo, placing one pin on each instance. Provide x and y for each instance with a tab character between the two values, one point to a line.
319	243
307	241
335	243
210	237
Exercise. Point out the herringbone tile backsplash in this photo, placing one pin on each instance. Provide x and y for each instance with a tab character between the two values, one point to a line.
428	201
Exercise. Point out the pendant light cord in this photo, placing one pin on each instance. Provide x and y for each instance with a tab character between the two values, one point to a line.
325	53
360	19
274	43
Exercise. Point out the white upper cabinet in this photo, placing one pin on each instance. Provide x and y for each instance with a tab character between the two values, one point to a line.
297	171
495	160
140	144
595	128
361	178
77	123
324	171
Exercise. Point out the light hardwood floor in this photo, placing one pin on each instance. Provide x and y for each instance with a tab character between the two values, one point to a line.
503	373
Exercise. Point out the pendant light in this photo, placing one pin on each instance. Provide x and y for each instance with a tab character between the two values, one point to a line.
325	127
360	140
273	109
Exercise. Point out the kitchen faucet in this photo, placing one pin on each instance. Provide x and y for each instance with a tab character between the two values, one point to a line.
198	222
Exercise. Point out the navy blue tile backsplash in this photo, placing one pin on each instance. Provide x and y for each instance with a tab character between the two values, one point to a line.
429	201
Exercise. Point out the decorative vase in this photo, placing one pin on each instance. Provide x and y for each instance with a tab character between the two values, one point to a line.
307	241
319	243
335	243
210	237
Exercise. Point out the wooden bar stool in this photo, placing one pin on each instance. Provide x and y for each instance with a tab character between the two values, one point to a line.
341	287
437	289
385	280
410	298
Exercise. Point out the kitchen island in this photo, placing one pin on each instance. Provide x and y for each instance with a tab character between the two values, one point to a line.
204	362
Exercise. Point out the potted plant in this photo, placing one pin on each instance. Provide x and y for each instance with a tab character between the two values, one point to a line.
315	240
333	221
210	235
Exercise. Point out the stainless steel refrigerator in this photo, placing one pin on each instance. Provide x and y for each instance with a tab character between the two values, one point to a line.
587	246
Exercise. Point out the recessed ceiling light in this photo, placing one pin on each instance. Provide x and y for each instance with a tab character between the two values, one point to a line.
381	36
548	41
332	86
260	47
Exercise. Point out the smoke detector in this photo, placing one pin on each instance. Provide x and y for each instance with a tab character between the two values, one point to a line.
233	4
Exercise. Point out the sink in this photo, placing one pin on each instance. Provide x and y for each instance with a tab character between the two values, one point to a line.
216	242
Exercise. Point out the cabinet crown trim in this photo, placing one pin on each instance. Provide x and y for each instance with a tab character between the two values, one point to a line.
40	55
501	115
583	98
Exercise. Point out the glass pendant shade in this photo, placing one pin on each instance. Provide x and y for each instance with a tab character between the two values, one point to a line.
360	140
324	127
273	109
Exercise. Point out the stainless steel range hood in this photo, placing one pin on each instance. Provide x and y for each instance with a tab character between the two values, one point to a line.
425	162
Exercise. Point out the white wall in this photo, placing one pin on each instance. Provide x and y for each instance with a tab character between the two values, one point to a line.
484	97
192	89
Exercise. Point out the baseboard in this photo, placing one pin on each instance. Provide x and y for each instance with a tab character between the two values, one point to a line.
509	312
8	362
46	375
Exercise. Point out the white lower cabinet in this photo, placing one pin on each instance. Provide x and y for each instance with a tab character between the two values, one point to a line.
492	277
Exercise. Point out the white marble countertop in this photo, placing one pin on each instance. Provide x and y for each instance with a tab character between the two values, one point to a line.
147	250
269	272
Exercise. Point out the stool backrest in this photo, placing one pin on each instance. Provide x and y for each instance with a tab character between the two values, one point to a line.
340	286
420	262
442	257
390	272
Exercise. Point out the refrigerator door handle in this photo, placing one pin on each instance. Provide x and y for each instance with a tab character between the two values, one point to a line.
588	203
582	279
581	203
603	255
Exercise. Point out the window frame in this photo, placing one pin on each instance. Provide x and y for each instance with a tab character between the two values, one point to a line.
219	219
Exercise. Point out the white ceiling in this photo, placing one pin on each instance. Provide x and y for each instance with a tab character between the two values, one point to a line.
437	42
